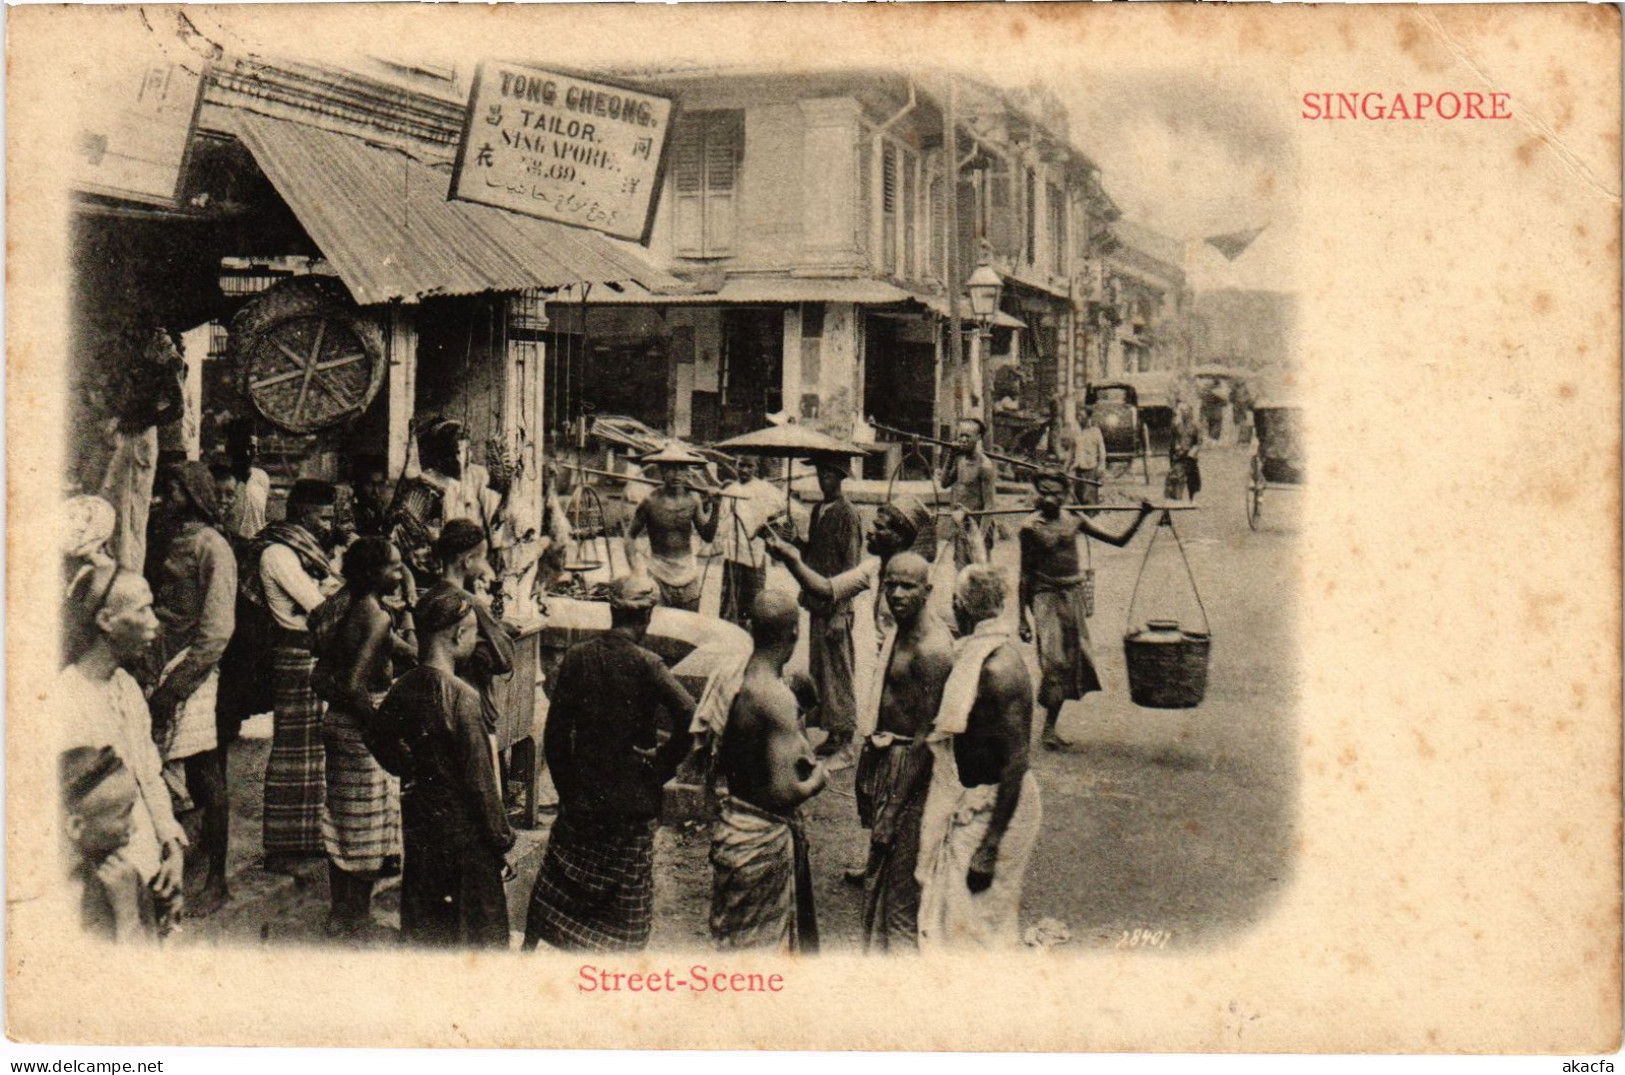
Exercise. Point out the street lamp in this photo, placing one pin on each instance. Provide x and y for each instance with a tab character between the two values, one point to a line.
984	286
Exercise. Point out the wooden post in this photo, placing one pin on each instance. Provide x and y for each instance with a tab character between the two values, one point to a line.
194	349
952	269
401	351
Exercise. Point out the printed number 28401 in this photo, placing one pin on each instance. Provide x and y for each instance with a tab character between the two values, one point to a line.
1145	938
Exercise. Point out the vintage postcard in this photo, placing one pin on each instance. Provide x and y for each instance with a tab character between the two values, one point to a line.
889	527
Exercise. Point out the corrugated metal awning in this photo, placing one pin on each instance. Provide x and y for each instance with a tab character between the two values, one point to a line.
745	290
775	290
383	221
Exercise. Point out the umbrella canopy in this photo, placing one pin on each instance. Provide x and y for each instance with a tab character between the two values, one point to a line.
789	441
677	454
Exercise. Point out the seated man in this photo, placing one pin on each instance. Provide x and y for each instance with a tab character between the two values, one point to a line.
982	813
762	896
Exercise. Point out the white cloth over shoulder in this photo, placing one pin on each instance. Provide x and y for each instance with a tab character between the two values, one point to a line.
956	820
290	593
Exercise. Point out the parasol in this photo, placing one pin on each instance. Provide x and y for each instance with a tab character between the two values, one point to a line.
675	454
788	441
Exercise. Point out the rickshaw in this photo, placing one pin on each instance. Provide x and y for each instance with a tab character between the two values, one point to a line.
1278	452
1115	406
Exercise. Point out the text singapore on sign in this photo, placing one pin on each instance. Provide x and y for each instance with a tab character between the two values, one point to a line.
564	148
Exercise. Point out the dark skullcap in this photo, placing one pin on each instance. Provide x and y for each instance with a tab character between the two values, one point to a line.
83	769
308	492
440	609
912	510
457	536
1050	477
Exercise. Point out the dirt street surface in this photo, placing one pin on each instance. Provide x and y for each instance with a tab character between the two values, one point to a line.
1162	828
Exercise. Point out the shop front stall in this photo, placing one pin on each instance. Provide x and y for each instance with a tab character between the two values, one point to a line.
323	291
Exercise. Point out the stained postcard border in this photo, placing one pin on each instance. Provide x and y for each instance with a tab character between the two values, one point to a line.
1457	885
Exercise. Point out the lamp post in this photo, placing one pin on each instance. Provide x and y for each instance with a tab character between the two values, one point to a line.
984	287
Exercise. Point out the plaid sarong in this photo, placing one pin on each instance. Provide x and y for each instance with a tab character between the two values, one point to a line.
294	784
361	820
761	895
595	891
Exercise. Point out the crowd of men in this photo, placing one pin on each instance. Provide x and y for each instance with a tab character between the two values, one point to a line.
383	757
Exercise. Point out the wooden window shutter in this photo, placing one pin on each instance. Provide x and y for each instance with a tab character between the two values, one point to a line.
1057	229
888	206
724	137
688	186
971	231
939	228
705	157
866	182
1029	212
1001	231
911	215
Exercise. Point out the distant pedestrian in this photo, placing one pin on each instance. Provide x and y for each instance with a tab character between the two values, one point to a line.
834	545
1184	446
972	482
1086	459
746	513
247	515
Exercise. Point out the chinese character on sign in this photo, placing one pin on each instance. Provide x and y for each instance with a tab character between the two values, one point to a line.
493	115
629	185
643	147
484	158
156	82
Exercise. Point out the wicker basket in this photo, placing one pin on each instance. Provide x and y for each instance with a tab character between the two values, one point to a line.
1167	667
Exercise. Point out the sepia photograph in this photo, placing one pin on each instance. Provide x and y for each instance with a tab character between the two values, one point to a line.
615	503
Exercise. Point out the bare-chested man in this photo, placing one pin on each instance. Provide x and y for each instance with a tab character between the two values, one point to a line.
1052	606
762	894
982	813
671	515
972	482
895	767
893	712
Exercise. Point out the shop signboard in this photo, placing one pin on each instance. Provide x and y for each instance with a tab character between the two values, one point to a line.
135	124
564	147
